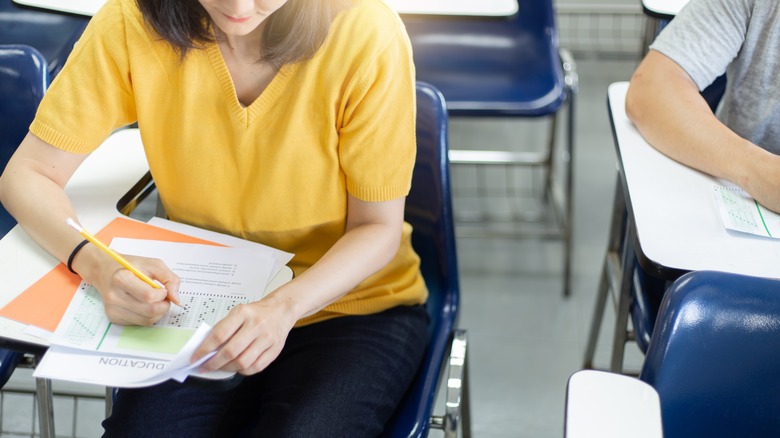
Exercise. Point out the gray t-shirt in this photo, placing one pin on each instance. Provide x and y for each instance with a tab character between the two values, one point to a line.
741	38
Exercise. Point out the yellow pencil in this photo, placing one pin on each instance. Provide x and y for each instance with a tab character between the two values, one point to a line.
121	260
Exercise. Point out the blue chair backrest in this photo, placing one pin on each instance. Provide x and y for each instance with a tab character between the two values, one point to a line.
429	211
714	356
510	66
23	80
51	33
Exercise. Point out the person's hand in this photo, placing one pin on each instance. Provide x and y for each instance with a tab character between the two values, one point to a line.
127	299
249	338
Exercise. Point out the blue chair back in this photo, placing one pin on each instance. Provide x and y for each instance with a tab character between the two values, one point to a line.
23	80
714	356
429	211
51	33
493	66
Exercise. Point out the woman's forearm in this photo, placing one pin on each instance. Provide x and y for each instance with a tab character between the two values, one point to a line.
32	190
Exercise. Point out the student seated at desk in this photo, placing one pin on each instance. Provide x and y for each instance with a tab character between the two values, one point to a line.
286	122
740	142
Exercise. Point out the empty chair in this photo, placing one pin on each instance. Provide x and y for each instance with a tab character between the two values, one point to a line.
505	67
714	356
51	33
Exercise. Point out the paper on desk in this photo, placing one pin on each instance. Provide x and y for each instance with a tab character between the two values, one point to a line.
740	212
57	287
214	279
280	257
120	371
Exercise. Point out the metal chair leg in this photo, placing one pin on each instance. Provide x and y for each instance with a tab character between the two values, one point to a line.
624	301
465	404
611	273
598	317
109	400
45	407
572	82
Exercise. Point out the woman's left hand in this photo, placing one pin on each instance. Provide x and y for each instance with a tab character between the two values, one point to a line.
249	338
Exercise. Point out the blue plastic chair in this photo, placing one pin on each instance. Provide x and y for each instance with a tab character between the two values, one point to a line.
505	67
51	33
23	80
429	211
714	356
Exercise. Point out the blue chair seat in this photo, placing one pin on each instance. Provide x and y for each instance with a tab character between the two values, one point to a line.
505	67
494	66
714	356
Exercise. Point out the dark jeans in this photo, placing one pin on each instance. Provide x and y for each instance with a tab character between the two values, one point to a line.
337	378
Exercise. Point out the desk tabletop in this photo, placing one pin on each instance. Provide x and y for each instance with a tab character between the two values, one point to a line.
677	219
663	8
488	8
608	405
117	165
477	8
78	7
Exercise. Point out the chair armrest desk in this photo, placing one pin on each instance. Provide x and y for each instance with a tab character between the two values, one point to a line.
672	225
98	190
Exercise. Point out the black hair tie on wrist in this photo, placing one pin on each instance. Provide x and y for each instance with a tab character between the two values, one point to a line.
73	254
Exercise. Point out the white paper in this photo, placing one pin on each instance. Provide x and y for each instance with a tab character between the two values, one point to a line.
280	257
213	280
740	212
117	370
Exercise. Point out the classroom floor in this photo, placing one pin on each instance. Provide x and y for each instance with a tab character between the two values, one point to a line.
525	339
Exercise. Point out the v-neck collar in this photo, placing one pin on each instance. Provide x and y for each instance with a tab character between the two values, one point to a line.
245	115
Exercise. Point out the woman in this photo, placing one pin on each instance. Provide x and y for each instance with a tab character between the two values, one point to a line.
286	122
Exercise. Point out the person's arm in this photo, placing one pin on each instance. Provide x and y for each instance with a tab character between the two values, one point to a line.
252	335
665	105
32	190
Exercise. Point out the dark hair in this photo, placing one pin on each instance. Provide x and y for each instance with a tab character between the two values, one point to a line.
293	33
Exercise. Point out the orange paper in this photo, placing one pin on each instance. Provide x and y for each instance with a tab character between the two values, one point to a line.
43	304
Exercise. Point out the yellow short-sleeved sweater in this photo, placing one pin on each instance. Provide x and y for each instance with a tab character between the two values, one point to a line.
276	172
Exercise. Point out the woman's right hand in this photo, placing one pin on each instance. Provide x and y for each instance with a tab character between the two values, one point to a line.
127	299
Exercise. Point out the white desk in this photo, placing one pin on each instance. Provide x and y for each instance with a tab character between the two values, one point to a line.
658	13
663	8
95	188
677	221
608	405
673	227
488	8
78	7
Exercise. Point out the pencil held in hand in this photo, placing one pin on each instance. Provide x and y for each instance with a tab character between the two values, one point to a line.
119	259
